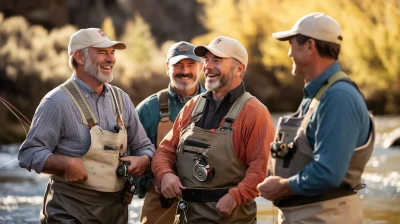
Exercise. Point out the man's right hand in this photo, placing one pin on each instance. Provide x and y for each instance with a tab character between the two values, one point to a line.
171	186
71	167
74	171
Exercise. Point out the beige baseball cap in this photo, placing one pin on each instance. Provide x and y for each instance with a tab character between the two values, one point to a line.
91	37
224	47
317	25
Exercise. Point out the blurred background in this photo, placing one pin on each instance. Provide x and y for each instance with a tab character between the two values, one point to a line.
33	60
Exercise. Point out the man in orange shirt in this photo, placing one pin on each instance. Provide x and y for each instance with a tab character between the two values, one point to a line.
217	151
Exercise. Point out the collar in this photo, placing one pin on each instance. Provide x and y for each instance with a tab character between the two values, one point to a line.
311	88
232	95
183	99
85	86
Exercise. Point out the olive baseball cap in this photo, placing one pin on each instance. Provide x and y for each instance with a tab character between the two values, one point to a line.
179	51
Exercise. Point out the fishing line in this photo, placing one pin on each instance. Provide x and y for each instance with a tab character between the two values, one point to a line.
8	162
24	121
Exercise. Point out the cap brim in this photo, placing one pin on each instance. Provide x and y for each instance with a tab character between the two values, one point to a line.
116	44
284	35
176	59
202	50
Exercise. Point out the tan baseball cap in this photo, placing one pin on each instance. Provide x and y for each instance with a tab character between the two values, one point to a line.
91	37
224	47
316	25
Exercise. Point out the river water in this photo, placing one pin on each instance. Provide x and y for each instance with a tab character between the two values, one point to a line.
21	192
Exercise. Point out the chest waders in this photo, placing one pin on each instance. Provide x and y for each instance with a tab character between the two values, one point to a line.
152	212
102	159
165	124
207	165
291	152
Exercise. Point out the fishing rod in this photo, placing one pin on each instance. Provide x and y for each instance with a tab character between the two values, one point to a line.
25	122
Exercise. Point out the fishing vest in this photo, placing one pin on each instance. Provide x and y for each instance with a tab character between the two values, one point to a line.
207	165
102	159
165	124
291	152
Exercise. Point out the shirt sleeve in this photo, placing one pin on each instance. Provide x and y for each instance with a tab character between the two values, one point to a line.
338	120
138	142
252	147
43	136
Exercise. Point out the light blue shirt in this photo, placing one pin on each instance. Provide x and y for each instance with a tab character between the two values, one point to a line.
340	124
57	126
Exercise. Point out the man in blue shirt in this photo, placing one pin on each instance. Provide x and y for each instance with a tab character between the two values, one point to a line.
157	114
81	132
320	152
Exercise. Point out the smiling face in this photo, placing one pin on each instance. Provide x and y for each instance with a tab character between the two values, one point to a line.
184	75
222	74
99	63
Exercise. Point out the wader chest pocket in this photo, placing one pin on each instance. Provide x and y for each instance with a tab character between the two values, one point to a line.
192	146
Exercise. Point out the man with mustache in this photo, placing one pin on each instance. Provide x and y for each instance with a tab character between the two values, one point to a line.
157	114
81	133
217	151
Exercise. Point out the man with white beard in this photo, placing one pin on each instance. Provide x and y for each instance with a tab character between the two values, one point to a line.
217	151
87	135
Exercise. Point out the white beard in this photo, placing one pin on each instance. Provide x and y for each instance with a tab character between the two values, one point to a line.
94	71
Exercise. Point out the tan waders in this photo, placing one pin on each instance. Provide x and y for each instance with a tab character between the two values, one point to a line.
88	201
152	212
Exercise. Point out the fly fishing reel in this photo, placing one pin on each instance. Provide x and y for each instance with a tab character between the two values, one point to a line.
201	170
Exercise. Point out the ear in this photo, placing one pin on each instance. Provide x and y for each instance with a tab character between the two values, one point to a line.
311	46
79	57
166	68
240	69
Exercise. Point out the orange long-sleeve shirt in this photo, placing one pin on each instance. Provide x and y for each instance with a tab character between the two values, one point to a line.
253	132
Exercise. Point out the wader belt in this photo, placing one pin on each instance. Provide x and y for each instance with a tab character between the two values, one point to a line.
203	195
297	200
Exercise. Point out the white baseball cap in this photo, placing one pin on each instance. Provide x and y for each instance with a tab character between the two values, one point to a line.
224	47
91	37
316	25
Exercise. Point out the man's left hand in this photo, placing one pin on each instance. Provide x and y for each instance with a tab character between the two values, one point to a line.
139	164
225	205
274	188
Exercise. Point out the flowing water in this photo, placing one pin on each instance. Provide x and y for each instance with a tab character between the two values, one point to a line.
21	192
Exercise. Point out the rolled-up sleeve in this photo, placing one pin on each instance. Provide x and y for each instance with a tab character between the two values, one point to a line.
42	138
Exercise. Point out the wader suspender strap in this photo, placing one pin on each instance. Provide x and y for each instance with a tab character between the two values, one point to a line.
117	104
87	115
332	80
163	100
198	108
235	109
